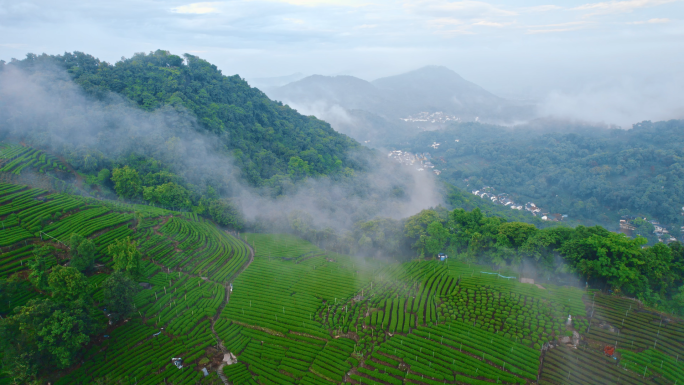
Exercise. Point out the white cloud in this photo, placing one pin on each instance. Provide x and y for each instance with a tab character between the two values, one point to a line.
315	3
560	27
449	27
652	21
197	8
491	24
614	6
542	8
460	9
449	18
445	21
551	30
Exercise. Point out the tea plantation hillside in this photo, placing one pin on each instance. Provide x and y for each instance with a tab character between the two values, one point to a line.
281	245
181	254
16	158
292	313
332	319
20	163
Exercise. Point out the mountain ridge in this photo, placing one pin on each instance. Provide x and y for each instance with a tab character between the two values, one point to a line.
428	84
380	105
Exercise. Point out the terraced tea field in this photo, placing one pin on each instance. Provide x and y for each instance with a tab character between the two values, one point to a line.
174	319
188	261
281	245
14	158
407	321
295	314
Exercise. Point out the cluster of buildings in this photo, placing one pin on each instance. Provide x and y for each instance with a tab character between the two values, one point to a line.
626	225
434	117
544	216
421	161
627	228
661	232
504	200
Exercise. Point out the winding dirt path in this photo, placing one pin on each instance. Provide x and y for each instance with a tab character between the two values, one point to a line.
219	371
246	265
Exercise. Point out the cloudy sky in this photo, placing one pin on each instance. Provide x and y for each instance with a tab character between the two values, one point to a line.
513	48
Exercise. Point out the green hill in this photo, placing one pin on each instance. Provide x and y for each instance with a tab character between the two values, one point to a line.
264	136
165	130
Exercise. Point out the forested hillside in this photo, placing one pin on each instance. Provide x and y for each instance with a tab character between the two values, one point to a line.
169	131
267	139
592	174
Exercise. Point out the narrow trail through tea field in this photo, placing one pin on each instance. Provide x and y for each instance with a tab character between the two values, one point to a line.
220	309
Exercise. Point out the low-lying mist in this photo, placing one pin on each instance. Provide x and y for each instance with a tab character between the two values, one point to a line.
622	102
46	109
377	121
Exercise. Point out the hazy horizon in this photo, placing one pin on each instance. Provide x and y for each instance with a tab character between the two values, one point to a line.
611	61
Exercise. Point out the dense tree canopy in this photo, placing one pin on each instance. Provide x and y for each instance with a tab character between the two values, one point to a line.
39	270
43	333
593	174
263	135
119	289
67	284
654	274
126	256
168	195
126	182
82	252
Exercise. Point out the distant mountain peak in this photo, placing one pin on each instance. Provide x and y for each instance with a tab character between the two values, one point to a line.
388	104
432	76
348	91
435	72
432	70
339	79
